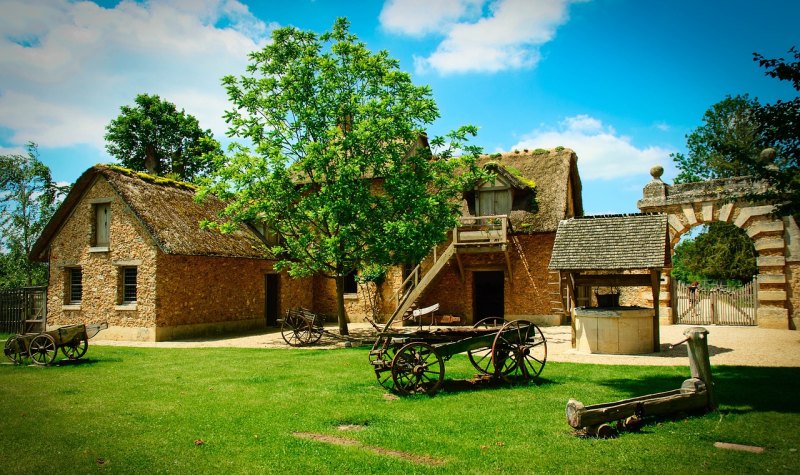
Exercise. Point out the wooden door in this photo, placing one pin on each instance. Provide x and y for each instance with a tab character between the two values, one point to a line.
271	299
488	294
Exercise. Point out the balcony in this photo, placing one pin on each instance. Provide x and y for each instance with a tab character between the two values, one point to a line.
481	234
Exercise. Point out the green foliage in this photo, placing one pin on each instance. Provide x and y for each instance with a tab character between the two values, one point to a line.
154	136
339	166
28	198
722	252
781	130
724	145
742	137
140	410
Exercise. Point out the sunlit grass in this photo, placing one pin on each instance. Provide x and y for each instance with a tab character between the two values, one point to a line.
147	410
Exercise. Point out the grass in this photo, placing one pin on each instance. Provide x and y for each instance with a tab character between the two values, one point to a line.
141	410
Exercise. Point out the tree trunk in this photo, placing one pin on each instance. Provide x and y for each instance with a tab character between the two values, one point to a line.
150	159
340	305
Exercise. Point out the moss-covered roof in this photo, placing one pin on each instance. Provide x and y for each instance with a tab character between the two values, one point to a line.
552	174
167	210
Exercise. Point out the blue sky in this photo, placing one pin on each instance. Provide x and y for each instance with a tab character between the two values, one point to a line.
619	81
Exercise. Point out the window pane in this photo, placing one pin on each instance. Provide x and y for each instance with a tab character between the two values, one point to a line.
129	285
75	286
350	286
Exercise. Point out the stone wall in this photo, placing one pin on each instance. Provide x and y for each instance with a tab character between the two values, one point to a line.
129	244
793	276
200	295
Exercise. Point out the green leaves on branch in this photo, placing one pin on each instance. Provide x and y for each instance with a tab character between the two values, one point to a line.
340	166
155	137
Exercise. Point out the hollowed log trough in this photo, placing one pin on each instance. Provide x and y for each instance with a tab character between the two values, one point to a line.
695	394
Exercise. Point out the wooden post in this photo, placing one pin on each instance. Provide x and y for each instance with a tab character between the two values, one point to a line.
655	282
699	363
571	303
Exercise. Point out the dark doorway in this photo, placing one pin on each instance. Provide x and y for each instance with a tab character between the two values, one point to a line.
271	299
487	294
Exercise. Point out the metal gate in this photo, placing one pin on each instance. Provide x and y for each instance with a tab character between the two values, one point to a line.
717	305
23	310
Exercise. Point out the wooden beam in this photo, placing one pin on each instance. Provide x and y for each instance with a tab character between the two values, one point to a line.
508	264
615	280
655	282
460	268
572	301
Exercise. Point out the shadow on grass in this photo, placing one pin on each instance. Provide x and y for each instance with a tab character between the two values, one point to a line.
738	388
486	384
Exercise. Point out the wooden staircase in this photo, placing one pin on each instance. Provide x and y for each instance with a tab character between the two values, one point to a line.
416	282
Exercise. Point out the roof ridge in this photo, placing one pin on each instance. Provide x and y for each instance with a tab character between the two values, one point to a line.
146	177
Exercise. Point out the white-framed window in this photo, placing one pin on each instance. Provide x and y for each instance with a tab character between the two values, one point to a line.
128	285
74	287
493	199
102	224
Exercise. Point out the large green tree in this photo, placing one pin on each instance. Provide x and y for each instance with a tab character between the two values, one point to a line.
741	136
28	198
154	136
340	168
724	144
722	253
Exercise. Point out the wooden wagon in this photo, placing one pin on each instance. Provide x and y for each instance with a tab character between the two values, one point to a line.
411	362
42	348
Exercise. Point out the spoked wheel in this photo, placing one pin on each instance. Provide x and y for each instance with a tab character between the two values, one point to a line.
297	331
482	359
417	368
520	346
43	349
380	357
14	350
75	348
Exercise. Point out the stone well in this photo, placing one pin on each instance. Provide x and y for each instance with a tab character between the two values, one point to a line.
614	330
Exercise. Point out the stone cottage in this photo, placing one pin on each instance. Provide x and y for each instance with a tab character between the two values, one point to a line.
126	248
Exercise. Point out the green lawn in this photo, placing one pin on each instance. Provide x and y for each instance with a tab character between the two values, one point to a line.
140	410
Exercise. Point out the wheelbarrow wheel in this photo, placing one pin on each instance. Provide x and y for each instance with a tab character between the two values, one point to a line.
380	357
14	350
519	346
43	349
417	369
75	348
482	359
295	331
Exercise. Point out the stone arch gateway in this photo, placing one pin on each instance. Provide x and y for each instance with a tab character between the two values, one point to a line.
776	240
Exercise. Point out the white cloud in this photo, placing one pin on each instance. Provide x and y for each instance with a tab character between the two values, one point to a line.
507	37
420	17
602	153
66	68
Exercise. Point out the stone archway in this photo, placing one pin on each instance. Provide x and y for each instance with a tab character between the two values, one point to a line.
777	241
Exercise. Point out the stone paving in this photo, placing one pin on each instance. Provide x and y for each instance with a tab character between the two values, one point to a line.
744	346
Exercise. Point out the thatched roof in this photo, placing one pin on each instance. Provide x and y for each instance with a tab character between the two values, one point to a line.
553	176
167	210
611	242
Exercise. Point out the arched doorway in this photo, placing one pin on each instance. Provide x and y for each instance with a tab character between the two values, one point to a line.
777	241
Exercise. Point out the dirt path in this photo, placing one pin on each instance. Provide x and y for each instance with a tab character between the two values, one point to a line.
744	346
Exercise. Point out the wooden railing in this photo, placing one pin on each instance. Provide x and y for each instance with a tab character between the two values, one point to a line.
481	230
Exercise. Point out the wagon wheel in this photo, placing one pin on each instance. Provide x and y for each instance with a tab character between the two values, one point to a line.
519	345
75	348
314	333
43	349
380	357
482	359
295	331
417	368
13	350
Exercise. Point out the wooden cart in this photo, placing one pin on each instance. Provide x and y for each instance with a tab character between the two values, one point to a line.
42	348
411	362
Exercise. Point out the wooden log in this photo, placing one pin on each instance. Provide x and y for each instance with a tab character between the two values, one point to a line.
692	395
699	363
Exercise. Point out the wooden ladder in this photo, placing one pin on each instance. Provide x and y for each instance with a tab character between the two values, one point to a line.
414	285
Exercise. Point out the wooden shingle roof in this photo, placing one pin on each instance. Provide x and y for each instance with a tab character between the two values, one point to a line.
167	210
611	242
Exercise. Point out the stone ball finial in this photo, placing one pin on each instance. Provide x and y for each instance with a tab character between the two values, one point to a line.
767	154
656	172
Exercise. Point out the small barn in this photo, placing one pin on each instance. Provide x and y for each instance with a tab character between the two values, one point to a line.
126	248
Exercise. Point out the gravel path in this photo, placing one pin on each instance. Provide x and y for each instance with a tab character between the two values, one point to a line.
742	346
